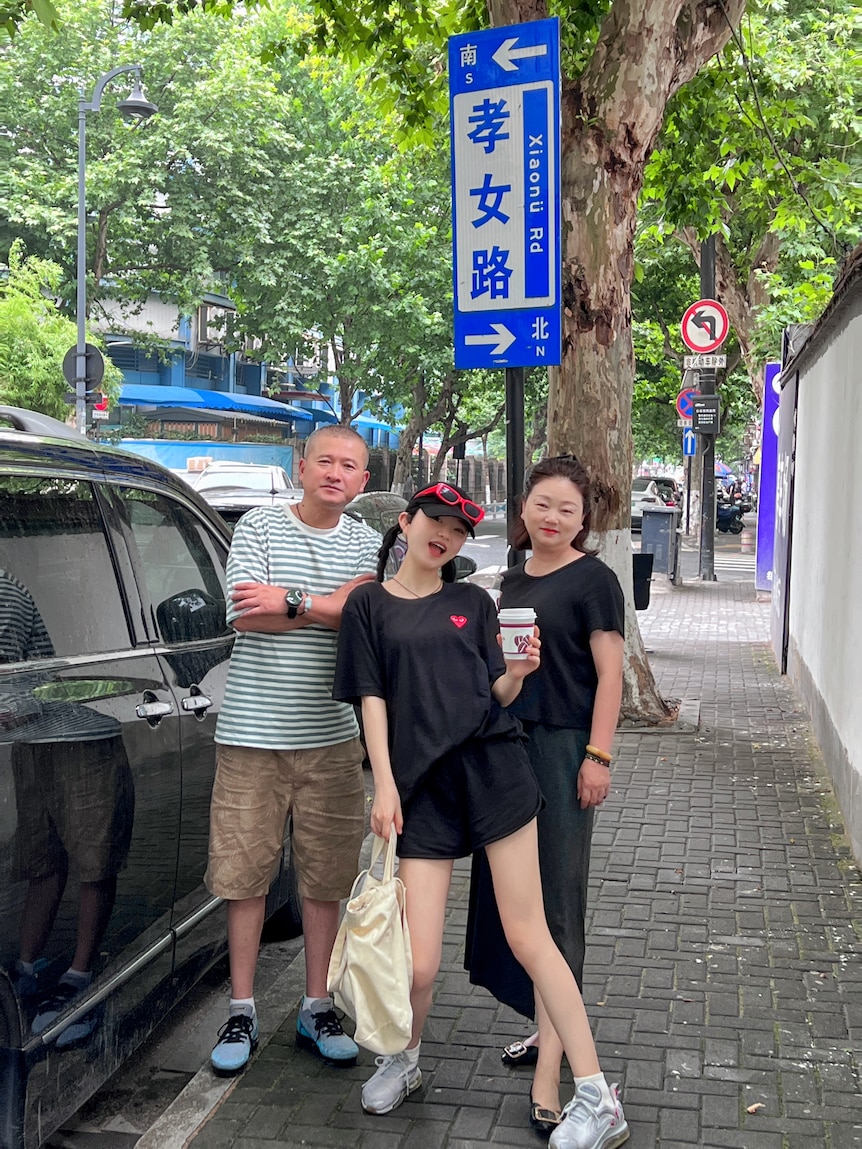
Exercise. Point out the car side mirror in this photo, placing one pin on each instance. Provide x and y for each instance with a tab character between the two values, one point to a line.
190	616
464	567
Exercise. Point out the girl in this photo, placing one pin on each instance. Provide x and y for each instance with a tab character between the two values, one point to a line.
451	773
569	710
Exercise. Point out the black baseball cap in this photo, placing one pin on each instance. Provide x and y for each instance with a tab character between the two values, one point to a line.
445	499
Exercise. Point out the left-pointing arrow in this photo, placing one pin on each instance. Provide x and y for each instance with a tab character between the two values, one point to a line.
503	338
507	53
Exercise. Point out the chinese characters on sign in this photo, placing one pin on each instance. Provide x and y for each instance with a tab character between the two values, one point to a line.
504	87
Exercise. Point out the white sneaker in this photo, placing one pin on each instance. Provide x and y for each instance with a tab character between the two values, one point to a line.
590	1123
393	1083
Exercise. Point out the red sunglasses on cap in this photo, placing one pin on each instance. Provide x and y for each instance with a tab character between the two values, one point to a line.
447	494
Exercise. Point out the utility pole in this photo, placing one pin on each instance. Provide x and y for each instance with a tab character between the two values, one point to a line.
707	387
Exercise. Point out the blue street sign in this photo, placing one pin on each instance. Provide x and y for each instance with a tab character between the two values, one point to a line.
689	442
504	91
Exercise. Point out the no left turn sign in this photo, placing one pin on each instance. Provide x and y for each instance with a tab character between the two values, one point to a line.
705	326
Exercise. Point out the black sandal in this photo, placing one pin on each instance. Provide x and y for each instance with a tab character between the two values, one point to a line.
544	1121
520	1054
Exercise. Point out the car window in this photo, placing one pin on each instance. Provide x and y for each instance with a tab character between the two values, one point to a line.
640	484
53	543
182	565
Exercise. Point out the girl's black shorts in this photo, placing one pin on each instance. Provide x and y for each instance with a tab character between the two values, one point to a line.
475	795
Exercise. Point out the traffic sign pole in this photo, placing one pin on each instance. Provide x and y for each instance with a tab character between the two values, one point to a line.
707	387
515	377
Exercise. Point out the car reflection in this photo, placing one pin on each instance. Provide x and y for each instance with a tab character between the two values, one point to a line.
75	802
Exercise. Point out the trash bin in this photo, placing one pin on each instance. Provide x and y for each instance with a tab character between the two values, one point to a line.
660	538
642	572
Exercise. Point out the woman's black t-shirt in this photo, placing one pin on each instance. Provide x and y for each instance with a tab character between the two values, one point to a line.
433	660
570	603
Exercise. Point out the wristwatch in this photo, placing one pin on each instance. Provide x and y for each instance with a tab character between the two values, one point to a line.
294	598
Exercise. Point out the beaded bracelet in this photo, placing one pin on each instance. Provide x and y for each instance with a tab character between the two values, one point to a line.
595	758
600	754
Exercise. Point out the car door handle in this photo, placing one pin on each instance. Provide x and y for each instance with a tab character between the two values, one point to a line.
153	710
196	702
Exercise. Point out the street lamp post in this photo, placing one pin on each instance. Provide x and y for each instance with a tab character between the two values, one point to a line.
136	104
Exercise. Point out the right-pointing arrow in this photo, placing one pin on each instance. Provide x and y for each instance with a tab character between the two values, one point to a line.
507	52
503	338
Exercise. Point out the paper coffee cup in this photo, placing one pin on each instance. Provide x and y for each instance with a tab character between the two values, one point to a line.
516	629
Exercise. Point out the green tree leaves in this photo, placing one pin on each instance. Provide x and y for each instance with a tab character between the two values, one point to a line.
34	338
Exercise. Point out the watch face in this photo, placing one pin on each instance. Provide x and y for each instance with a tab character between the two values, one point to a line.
294	597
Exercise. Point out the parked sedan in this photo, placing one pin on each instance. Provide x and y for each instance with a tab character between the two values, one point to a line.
114	652
645	492
234	488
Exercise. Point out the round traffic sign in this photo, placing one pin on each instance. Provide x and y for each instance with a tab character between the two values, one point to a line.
684	407
704	326
94	365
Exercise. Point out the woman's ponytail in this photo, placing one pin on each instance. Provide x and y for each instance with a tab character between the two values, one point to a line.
386	546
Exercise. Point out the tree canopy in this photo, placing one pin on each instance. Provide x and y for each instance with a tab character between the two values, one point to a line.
672	98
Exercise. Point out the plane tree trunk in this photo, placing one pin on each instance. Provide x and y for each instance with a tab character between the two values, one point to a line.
611	116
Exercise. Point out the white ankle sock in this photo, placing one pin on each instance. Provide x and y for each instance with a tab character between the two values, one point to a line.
316	1004
242	1005
597	1079
412	1055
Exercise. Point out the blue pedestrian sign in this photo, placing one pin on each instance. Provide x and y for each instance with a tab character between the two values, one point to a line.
504	90
689	442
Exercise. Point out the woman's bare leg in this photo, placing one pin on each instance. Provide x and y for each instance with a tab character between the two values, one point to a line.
427	881
514	863
546	1080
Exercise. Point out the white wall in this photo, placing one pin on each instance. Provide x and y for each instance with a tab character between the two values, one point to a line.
825	622
155	318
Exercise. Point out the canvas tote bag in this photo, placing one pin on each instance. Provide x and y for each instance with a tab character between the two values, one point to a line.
371	968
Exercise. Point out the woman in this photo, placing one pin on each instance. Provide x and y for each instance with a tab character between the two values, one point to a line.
451	773
569	710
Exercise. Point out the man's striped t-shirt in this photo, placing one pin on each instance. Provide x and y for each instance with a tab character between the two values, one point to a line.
279	687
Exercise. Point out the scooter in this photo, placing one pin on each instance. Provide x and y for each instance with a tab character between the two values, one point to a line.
728	518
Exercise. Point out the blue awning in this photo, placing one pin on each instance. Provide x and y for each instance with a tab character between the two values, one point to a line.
368	423
138	394
321	415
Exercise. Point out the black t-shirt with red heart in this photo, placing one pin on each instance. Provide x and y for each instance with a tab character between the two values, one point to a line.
433	660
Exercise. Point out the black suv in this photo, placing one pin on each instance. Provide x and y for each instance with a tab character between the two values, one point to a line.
113	658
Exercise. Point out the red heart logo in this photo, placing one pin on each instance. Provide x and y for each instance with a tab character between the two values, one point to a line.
458	619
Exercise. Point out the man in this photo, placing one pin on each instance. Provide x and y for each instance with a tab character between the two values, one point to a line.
284	745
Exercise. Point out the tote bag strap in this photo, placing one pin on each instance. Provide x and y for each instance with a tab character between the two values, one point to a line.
366	877
389	861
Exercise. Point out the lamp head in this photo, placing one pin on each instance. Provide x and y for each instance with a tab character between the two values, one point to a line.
137	104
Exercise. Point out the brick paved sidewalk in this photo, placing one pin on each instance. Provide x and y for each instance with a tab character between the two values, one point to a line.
723	966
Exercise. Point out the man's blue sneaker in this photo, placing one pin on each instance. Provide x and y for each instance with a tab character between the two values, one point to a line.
237	1041
322	1032
48	1009
81	1030
61	998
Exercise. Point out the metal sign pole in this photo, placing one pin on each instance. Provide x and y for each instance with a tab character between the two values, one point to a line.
515	377
707	387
